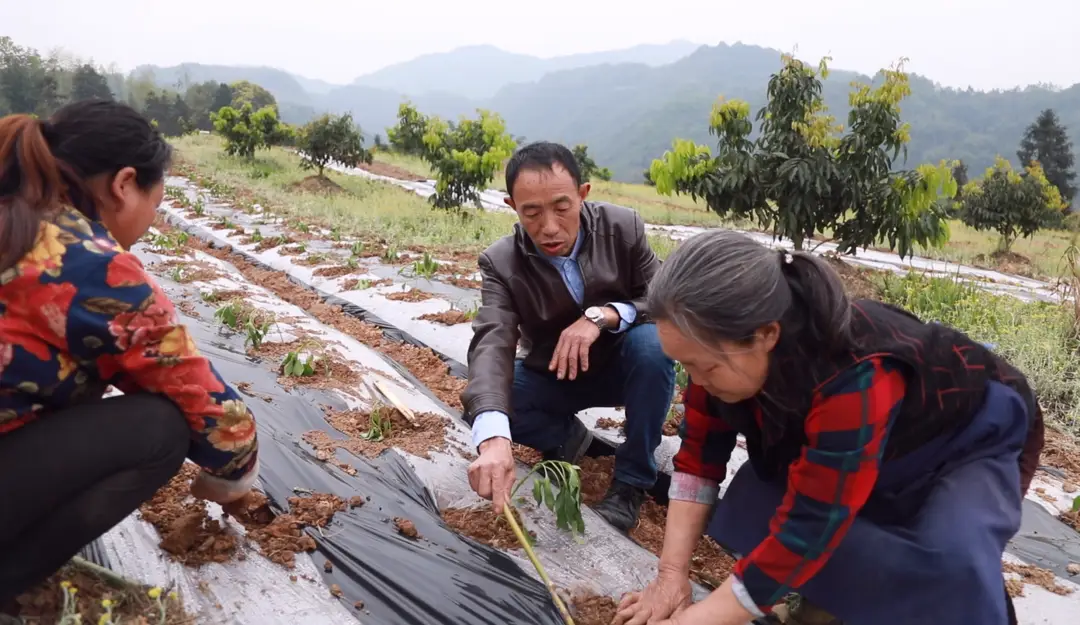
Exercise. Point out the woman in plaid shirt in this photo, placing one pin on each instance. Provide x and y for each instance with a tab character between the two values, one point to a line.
888	457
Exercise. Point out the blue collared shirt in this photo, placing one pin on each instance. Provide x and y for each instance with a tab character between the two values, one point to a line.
492	423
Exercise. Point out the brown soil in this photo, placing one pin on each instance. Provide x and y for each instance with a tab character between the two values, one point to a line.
412	295
607	423
406	528
1037	576
317	184
393	171
334	271
187	532
44	605
429	434
1072	519
859	281
292	250
188	308
671	426
269	243
465	283
284	537
352	283
1006	262
222	225
483	525
192	271
593	610
450	317
710	565
1062	452
224	295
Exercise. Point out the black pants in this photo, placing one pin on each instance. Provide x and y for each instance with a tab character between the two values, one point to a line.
71	475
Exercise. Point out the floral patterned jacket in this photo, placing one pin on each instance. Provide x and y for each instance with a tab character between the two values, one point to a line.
79	313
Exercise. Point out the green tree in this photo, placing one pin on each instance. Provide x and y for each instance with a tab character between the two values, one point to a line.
26	84
87	83
332	138
1015	205
247	130
588	166
407	137
465	156
1046	142
222	97
801	176
244	92
960	175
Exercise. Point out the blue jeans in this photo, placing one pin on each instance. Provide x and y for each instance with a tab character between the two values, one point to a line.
641	378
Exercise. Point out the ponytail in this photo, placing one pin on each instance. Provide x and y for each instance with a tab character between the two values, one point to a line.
44	165
825	306
31	185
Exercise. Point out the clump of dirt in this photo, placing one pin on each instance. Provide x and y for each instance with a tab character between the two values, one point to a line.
188	308
355	284
406	528
392	171
44	605
527	455
253	511
607	423
320	185
369	434
334	271
284	537
1036	576
593	610
1072	519
858	281
222	225
1062	452
292	250
671	425
465	283
709	565
483	525
1006	262
187	532
450	317
412	295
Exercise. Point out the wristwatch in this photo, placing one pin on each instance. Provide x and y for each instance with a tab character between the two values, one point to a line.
596	315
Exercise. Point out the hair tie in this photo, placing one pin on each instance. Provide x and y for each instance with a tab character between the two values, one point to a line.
785	257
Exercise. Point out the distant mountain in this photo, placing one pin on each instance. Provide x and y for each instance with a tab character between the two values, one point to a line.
480	71
629	113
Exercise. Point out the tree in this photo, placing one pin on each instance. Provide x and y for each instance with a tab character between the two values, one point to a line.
1015	205
465	156
960	175
407	137
332	138
247	130
800	176
87	83
1047	142
588	166
378	142
222	97
244	92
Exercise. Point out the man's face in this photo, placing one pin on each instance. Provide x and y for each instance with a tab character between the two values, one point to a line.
548	205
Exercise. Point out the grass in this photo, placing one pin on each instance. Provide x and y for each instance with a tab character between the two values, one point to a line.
966	245
366	208
411	164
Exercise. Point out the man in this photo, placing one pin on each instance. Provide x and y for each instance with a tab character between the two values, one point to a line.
570	283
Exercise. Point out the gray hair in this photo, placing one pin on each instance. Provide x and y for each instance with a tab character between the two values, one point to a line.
723	285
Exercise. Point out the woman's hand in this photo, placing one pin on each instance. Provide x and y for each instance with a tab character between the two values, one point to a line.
217	490
667	595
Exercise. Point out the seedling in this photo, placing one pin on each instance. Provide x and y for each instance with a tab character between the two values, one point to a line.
297	367
170	241
357	248
199	208
380	425
230	314
256	332
317	258
1076	504
177	273
567	508
226	222
352	263
301	247
426	267
470	314
303	227
390	255
335	233
361	284
256	236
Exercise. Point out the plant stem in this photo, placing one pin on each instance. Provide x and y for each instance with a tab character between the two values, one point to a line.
110	576
508	512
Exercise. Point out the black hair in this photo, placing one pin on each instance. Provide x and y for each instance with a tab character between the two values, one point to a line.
45	164
541	155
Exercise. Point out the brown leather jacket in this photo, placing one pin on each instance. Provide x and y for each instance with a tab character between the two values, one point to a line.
524	297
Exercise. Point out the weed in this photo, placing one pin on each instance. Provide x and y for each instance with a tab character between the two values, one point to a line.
426	267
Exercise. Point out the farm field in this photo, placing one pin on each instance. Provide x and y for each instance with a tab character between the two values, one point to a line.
305	288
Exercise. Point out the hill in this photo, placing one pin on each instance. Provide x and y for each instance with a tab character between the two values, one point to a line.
629	113
480	71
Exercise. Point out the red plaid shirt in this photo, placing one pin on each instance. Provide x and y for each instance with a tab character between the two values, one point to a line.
827	485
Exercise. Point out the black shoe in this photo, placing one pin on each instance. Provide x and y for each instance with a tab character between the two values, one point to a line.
621	505
574	447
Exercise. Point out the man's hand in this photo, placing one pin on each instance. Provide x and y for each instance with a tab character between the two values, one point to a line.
492	474
572	351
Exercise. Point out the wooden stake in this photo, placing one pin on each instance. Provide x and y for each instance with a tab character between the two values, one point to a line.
508	512
385	391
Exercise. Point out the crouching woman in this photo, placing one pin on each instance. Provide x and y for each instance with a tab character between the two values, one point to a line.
888	457
79	313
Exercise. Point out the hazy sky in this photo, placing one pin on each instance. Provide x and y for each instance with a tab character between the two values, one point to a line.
983	43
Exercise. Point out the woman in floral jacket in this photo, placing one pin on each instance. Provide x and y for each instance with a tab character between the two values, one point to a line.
79	313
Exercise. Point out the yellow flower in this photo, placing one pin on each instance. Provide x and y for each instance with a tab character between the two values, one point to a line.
65	584
73	590
47	253
177	343
173	596
154	592
106	603
104	619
